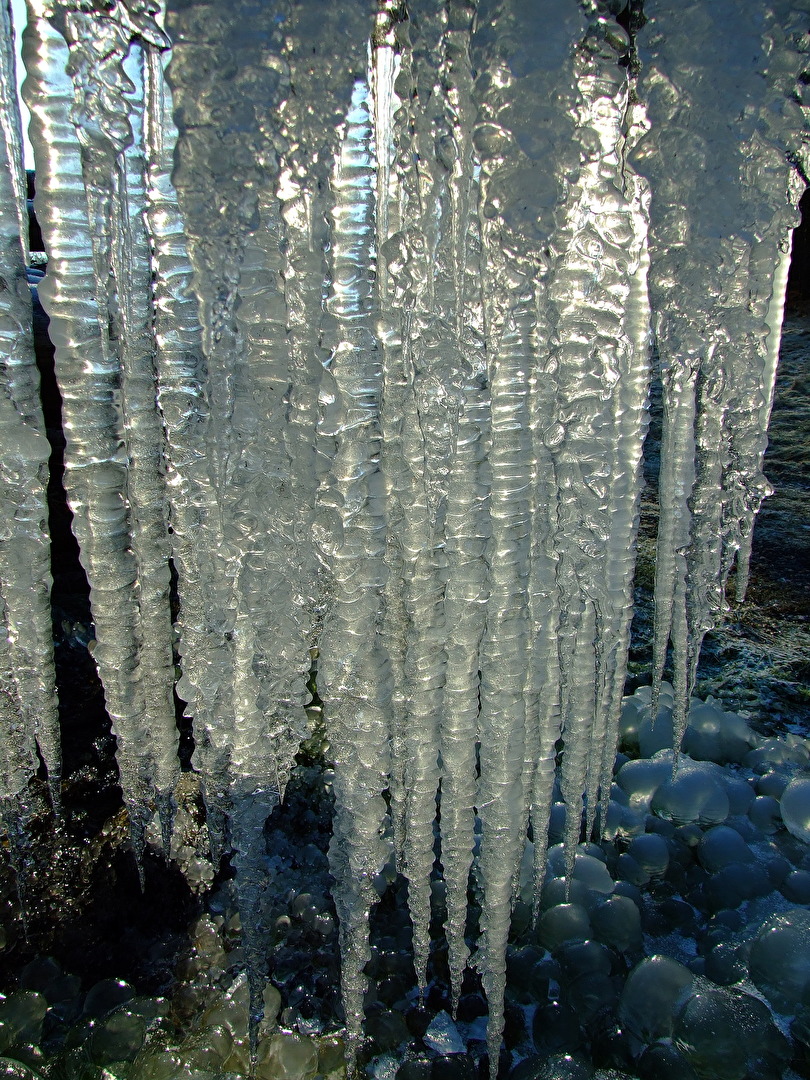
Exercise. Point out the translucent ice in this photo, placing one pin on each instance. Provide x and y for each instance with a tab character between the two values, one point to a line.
779	964
795	807
653	996
352	324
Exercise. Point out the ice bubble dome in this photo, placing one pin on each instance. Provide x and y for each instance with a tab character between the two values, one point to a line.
794	806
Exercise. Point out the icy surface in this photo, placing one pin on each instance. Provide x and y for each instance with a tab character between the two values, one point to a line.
352	315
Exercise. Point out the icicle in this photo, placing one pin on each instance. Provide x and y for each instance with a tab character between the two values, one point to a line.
29	716
718	290
248	688
104	365
181	382
467	526
354	668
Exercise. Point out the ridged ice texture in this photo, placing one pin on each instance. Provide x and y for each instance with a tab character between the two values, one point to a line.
28	716
86	118
351	311
566	317
251	162
725	128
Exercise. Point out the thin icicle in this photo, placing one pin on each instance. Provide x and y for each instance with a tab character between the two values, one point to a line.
466	521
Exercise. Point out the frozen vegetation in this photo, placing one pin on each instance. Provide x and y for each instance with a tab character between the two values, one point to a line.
353	308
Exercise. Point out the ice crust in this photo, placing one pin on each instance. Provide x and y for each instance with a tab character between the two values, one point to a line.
352	316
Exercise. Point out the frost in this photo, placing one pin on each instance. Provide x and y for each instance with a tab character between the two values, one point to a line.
352	309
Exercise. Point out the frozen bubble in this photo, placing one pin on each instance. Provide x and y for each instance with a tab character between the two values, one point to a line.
558	891
722	846
584	958
736	883
651	853
652	996
106	996
786	753
727	963
665	1062
631	716
563	1067
565	922
442	1035
628	869
740	793
617	923
773	783
795	807
723	1033
657	736
780	959
692	795
556	823
555	1029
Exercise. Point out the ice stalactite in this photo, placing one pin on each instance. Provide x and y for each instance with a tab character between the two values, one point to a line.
569	355
722	106
28	709
355	667
256	244
98	296
351	314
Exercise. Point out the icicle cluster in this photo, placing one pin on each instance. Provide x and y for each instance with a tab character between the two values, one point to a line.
352	327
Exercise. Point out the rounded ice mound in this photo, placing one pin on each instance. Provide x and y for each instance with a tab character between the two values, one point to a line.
637	733
565	922
795	807
779	964
722	846
788	753
693	794
651	853
640	779
617	923
591	871
725	1034
653	995
712	734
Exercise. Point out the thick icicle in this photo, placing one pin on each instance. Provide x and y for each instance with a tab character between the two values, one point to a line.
97	295
718	285
508	272
354	671
466	518
29	716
